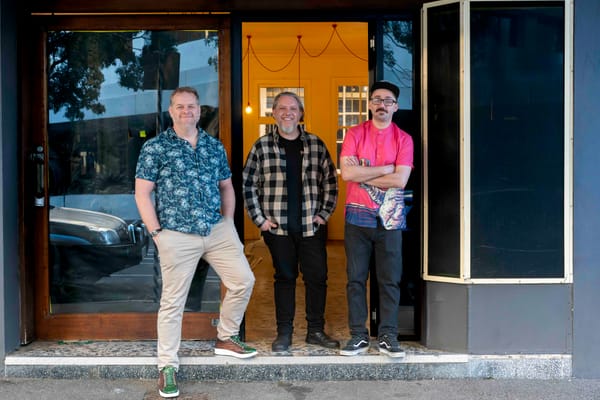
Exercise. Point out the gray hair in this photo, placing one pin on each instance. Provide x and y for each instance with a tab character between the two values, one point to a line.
291	94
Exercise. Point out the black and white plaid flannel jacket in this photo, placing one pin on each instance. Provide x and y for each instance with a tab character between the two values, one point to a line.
265	189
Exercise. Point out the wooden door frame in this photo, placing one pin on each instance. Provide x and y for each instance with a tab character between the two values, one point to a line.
37	320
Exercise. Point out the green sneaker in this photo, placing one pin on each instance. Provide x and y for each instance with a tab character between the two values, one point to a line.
167	383
234	347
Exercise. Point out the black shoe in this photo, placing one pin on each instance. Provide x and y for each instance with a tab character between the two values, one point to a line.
282	342
389	345
321	339
356	345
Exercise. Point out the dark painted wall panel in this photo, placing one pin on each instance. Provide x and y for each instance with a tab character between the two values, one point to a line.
9	234
498	319
512	319
445	317
586	213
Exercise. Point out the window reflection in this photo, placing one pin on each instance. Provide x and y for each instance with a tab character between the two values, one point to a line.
398	48
108	92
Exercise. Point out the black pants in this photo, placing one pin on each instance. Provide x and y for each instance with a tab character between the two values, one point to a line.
360	243
308	255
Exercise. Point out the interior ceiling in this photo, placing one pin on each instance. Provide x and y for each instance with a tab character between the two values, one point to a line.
278	37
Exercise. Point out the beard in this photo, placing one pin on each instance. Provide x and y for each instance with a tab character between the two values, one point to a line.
288	129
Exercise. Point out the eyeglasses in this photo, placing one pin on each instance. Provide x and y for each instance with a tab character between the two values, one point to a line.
378	100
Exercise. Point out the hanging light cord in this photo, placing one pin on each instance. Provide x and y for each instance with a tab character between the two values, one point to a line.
248	107
300	45
247	53
277	69
345	45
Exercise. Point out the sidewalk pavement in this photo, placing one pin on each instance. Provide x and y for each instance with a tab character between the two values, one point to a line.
451	389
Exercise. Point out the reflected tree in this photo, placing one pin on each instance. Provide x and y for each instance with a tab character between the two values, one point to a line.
75	63
399	36
87	155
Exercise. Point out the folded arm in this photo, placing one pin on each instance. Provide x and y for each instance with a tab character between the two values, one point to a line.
383	176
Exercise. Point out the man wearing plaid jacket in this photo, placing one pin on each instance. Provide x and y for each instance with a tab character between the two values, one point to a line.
290	191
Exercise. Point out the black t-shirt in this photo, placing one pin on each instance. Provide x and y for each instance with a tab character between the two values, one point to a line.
293	175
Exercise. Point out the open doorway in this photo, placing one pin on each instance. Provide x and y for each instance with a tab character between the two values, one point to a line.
327	65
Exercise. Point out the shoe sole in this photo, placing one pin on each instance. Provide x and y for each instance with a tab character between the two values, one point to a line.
354	352
223	352
333	346
393	354
168	395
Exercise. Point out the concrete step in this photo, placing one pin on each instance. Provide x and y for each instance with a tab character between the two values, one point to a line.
137	360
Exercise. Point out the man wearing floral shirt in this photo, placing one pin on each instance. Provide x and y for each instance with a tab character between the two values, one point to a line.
192	218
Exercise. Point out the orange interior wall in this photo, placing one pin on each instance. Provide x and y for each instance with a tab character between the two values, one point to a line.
320	77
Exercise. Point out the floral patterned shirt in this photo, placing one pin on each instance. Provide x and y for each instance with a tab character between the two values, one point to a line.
188	198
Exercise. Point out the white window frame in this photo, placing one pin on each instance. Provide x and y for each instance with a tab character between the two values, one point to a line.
465	153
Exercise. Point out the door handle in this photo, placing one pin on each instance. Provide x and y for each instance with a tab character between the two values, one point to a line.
37	157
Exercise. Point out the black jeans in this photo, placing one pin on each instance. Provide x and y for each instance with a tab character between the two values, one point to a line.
359	243
309	254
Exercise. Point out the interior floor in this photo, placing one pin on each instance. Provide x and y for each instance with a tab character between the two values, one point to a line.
260	326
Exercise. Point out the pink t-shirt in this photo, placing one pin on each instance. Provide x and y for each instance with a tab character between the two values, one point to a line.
375	147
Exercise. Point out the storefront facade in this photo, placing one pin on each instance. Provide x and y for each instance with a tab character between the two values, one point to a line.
503	109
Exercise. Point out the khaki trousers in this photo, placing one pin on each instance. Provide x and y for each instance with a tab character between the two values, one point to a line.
179	255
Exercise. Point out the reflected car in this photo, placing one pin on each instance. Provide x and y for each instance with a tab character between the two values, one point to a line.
86	246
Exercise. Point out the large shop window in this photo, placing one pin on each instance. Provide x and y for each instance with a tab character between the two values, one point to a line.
496	158
108	93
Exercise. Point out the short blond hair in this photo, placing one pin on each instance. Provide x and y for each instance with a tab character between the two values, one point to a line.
185	89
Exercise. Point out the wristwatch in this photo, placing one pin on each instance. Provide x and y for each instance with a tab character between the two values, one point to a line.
155	232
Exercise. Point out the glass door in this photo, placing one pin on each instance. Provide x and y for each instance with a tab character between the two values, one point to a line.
395	45
107	94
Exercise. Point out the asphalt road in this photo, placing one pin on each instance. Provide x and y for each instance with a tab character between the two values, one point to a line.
455	389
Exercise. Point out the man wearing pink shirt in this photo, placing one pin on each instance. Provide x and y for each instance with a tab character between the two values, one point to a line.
376	161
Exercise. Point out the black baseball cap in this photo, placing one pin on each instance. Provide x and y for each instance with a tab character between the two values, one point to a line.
386	85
